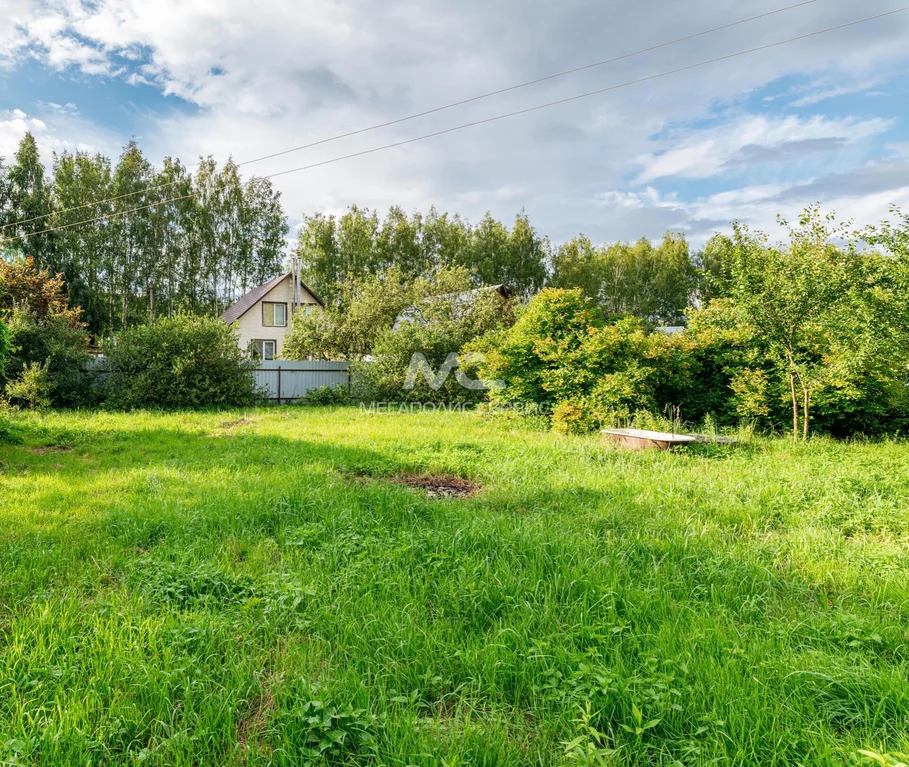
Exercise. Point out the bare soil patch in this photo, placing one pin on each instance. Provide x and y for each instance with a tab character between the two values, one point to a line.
440	486
232	423
45	449
252	724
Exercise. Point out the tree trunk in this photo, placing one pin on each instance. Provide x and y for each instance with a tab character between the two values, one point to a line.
805	400
795	407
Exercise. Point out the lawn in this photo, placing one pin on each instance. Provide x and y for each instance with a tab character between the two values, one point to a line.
253	587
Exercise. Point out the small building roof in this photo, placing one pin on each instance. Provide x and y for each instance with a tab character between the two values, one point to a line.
247	302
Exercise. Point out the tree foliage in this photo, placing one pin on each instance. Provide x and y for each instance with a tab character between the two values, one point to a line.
359	244
133	241
654	283
407	357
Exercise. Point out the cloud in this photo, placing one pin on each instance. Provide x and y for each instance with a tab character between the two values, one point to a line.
825	88
864	195
13	125
61	130
252	78
755	139
64	109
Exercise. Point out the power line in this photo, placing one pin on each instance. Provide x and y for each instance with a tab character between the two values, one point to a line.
434	110
515	113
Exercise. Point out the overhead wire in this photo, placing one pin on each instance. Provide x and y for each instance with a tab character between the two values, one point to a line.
433	110
506	115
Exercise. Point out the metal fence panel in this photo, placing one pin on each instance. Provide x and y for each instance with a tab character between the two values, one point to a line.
285	380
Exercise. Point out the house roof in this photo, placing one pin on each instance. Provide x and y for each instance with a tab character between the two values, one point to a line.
247	302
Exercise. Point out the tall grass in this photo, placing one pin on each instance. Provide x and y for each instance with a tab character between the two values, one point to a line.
248	588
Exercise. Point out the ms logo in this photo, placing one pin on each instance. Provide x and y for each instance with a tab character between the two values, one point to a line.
418	365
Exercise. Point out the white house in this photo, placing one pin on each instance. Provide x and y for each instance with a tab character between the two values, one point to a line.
263	315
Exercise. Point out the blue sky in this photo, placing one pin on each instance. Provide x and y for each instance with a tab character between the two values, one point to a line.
819	120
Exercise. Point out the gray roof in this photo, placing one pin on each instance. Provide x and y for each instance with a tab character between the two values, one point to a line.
247	302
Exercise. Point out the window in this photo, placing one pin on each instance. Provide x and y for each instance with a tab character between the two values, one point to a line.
263	350
274	315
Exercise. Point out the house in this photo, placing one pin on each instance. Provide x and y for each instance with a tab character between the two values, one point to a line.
263	315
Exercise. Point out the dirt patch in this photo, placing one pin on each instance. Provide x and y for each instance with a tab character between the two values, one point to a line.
251	725
45	449
440	486
225	427
232	423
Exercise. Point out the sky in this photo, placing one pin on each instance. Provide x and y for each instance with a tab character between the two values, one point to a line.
822	119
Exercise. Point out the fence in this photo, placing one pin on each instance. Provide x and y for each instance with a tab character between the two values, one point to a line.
280	380
286	380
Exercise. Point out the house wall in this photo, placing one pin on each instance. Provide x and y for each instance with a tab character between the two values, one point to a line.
250	325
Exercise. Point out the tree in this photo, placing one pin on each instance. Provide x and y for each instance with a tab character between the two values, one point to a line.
82	184
169	241
446	315
652	283
399	244
713	269
133	232
4	347
30	205
348	328
578	264
525	270
332	250
799	297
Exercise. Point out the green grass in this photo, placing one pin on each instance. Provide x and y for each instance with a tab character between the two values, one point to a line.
246	588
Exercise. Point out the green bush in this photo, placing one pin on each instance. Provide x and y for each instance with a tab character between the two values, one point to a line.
339	394
32	387
561	351
179	361
595	373
56	344
44	330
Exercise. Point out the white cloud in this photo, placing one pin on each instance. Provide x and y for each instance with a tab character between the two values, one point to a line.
272	74
864	195
61	130
64	109
829	88
711	152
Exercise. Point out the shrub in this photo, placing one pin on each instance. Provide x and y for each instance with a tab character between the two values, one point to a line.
59	348
329	395
43	329
561	351
32	388
179	361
